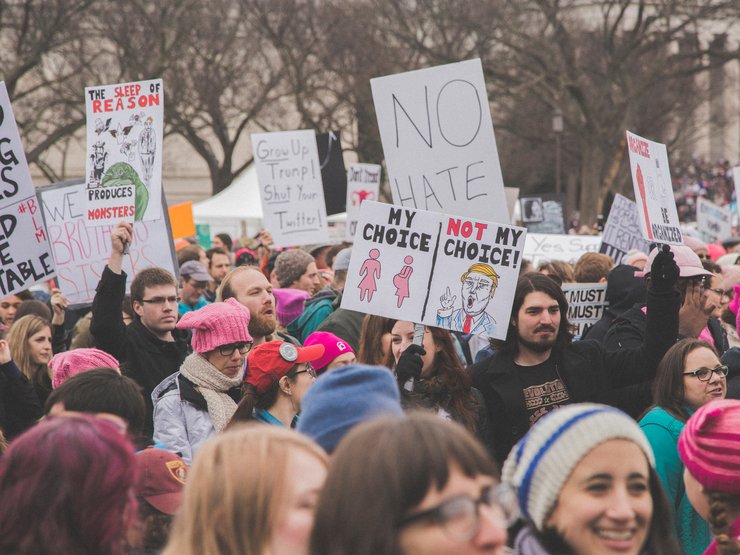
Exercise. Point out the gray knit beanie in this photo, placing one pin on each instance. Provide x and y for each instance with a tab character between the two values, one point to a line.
291	265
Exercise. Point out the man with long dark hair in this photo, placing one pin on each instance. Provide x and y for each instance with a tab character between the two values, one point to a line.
538	368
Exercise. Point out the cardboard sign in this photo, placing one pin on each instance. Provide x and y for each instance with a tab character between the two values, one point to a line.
333	173
543	213
541	247
125	134
25	255
363	183
81	252
290	187
714	222
622	232
586	304
438	141
439	270
651	179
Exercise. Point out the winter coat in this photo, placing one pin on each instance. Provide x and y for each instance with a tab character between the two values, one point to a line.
19	404
345	324
315	311
181	419
662	430
145	358
588	371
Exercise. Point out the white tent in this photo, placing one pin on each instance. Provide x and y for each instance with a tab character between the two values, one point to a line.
236	210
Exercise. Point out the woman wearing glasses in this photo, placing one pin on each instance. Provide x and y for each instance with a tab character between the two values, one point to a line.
278	376
689	376
411	485
198	401
586	484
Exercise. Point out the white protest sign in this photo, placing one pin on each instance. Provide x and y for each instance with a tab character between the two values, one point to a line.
435	269
81	252
714	222
542	247
622	232
290	187
736	180
25	255
125	133
651	180
586	304
437	134
363	183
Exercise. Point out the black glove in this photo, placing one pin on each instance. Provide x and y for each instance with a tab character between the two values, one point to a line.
410	363
664	271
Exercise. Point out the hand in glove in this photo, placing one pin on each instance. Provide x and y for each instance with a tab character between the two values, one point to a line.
410	363
664	271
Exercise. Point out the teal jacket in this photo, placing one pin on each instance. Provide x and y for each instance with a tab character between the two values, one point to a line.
662	431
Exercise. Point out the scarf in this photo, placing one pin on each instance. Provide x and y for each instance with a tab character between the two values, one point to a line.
213	385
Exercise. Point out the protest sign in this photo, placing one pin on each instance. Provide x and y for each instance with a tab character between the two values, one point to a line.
25	255
541	247
437	134
736	181
651	180
512	196
622	232
586	304
543	213
290	187
203	231
81	252
125	133
363	183
181	220
434	269
333	173
714	222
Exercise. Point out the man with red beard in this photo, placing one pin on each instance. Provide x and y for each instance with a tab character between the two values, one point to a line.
150	348
539	368
249	286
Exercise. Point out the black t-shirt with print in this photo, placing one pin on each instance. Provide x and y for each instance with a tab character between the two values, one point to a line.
542	388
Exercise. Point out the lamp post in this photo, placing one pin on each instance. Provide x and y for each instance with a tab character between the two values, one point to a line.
557	129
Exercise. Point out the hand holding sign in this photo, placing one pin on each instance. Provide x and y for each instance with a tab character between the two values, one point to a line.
59	304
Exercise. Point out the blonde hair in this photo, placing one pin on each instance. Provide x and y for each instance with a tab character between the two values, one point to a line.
234	491
20	332
484	269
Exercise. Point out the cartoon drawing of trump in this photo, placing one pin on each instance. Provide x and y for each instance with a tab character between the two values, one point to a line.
479	284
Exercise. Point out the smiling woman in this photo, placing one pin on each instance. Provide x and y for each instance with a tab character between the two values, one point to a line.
586	484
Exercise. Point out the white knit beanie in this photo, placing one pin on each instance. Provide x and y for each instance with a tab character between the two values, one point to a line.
539	465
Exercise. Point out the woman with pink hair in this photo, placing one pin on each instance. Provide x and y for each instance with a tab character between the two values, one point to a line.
67	488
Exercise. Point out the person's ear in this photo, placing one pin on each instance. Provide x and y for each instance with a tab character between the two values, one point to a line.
138	308
284	385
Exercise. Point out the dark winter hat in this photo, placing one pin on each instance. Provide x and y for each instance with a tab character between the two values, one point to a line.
291	265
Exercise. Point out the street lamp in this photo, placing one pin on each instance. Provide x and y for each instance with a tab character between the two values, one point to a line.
557	129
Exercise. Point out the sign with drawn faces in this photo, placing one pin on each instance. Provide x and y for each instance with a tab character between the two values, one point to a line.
438	141
651	180
435	269
363	183
125	133
292	196
25	254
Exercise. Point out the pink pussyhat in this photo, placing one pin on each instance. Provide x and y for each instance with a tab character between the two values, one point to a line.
217	324
70	363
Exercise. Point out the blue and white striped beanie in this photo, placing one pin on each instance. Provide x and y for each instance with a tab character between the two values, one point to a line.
540	464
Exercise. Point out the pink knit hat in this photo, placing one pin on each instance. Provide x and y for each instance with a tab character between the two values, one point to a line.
333	347
69	363
290	304
709	445
216	324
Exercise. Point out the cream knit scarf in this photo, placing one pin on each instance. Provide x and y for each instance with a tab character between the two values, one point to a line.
213	385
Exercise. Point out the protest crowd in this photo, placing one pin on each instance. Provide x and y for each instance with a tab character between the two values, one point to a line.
507	390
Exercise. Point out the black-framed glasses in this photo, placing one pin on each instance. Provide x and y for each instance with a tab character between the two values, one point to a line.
309	370
705	374
228	350
459	516
159	301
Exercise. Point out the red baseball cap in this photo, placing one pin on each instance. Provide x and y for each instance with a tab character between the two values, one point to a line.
270	361
162	477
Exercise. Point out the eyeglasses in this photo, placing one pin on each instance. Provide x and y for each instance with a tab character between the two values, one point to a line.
309	370
722	293
158	301
705	374
703	256
459	516
228	350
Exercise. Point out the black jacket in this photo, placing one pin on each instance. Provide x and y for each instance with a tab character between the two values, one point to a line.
589	372
19	404
143	357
